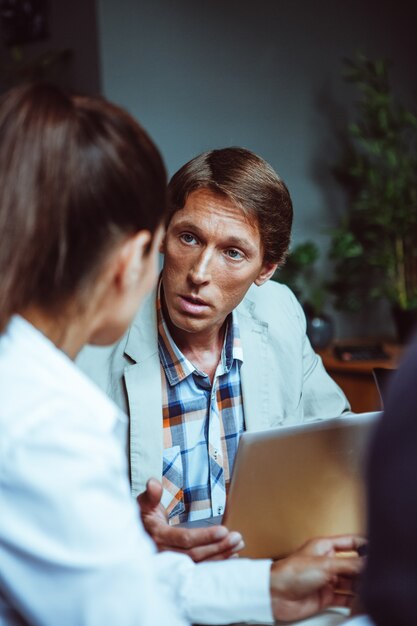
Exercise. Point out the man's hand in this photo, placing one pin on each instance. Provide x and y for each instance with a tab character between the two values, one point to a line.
201	544
316	576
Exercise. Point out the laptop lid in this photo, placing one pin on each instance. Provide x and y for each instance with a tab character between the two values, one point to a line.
292	484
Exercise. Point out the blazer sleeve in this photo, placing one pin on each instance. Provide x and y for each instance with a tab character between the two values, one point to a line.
322	397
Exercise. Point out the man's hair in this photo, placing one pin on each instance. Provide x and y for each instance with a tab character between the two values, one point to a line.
77	174
250	183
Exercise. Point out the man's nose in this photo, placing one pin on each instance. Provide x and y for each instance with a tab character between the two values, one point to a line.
200	271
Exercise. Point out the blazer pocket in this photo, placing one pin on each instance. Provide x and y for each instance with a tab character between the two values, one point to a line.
173	481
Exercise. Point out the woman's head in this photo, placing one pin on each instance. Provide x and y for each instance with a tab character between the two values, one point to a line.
77	176
390	579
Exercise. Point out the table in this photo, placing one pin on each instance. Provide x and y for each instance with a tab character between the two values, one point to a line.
355	377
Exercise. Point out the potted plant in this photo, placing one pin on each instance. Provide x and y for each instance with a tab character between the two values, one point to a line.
375	247
299	275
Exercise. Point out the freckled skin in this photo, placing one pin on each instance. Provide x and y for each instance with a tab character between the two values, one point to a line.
213	253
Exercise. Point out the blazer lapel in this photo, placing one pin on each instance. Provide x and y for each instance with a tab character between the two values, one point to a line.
143	386
254	372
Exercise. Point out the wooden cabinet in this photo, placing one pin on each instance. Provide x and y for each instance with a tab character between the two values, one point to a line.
355	377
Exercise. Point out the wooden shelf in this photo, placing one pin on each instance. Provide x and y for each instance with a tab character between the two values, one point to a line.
355	377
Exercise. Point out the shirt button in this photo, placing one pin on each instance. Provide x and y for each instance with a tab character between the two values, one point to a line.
215	454
219	510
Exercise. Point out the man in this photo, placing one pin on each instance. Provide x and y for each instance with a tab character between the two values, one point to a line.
215	350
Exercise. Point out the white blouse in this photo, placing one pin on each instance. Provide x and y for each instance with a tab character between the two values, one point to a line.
72	548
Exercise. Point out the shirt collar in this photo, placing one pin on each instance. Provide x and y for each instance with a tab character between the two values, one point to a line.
176	366
232	347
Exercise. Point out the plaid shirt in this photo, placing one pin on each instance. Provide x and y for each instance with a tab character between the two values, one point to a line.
202	423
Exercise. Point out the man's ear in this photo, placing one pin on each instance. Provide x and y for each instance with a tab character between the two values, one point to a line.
265	274
129	259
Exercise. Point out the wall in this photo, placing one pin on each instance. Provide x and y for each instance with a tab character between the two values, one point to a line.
265	75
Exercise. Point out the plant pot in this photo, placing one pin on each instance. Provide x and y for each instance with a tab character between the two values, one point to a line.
405	322
320	330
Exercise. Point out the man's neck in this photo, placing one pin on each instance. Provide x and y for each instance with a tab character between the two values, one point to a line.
203	352
202	349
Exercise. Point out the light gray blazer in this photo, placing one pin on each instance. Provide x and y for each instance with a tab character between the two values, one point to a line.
283	380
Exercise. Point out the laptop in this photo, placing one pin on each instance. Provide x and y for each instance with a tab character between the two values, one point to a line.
294	483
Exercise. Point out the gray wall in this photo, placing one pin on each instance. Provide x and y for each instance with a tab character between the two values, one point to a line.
265	75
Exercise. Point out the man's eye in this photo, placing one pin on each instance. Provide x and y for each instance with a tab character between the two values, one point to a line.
188	238
234	254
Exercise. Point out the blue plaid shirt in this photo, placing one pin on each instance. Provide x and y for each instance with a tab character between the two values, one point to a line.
202	423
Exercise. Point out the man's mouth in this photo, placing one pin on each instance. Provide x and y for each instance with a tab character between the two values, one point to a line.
192	304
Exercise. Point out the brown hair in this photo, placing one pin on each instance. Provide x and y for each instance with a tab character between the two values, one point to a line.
76	175
249	182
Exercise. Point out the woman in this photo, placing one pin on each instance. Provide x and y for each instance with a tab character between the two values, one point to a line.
389	585
82	196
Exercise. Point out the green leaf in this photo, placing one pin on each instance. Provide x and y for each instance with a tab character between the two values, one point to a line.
379	174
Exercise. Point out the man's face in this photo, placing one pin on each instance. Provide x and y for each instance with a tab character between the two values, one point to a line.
213	254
